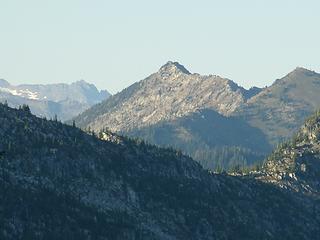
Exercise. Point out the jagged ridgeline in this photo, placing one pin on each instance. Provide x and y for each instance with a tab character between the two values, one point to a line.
57	182
212	119
184	110
60	100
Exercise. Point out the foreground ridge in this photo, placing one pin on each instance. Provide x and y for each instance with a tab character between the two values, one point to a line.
59	182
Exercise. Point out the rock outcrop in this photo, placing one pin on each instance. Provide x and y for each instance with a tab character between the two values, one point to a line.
57	182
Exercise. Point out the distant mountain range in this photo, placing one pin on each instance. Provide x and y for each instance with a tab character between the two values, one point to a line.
57	182
211	118
62	100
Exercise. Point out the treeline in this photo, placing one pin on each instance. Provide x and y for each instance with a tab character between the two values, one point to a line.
217	159
228	158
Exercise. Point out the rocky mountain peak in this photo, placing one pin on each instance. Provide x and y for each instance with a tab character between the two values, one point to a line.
84	84
296	76
173	68
298	71
171	93
301	69
81	81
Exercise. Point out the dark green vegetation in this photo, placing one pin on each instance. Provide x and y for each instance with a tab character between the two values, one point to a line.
57	182
296	163
207	135
239	128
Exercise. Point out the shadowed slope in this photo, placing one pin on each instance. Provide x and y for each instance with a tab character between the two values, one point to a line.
121	189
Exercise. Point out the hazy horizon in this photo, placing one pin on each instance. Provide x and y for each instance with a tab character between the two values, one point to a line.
114	44
88	81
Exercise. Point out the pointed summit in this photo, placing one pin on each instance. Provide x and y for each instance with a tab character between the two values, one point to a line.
81	82
298	75
173	67
84	85
302	70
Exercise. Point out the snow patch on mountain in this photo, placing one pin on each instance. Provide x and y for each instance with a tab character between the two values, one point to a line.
22	93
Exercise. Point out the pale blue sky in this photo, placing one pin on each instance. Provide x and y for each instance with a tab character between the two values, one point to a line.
116	43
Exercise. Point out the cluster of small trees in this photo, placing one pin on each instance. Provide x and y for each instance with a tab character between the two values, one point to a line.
228	158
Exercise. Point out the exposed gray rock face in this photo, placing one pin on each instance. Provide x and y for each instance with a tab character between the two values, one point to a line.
173	94
57	182
63	100
164	101
296	163
170	93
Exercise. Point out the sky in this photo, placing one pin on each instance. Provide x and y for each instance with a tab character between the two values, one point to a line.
116	43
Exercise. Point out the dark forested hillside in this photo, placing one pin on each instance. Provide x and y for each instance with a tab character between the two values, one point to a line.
57	182
217	142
